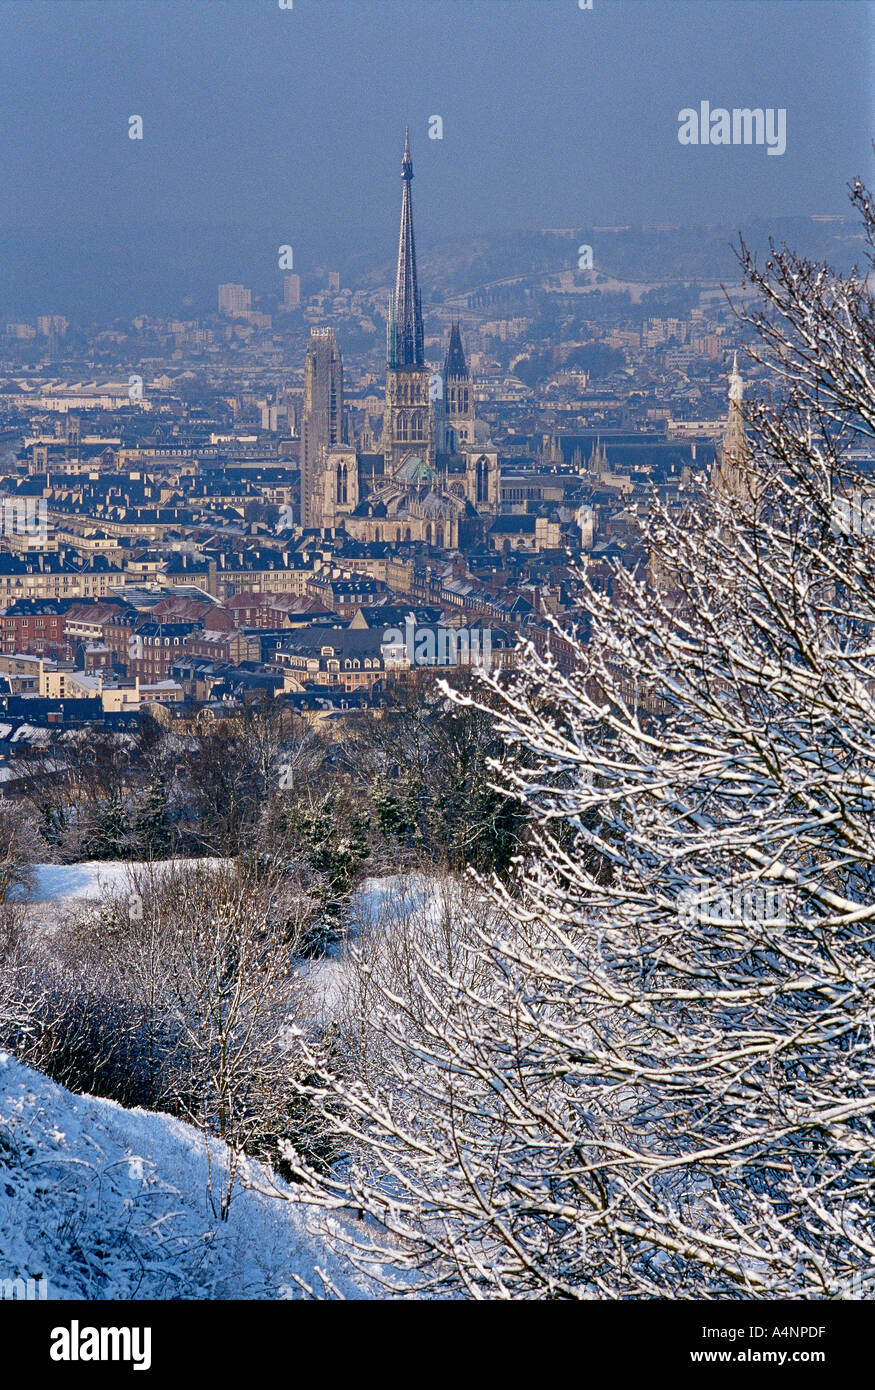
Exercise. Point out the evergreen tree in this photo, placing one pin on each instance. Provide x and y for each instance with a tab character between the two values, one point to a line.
112	831
333	843
151	831
53	823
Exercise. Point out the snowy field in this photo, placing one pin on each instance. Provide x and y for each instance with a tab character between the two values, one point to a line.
104	1202
92	878
60	892
375	905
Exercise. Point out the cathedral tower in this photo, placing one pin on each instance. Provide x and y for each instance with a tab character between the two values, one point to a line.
459	393
407	420
731	474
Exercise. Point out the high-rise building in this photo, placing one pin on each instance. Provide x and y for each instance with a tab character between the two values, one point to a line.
292	291
407	416
333	281
321	418
234	299
47	324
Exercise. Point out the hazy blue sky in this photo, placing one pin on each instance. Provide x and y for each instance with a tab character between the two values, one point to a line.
291	121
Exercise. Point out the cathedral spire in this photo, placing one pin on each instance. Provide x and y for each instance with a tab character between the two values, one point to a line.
455	364
730	467
734	441
406	339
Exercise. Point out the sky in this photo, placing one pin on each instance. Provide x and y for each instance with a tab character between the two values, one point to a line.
289	122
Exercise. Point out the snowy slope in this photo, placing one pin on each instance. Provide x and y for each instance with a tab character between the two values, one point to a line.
91	878
111	1203
373	907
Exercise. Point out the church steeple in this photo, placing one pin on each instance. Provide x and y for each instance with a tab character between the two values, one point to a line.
730	468
734	441
459	393
405	335
455	364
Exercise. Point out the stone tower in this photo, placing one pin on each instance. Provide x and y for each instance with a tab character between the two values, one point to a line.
459	392
730	473
321	419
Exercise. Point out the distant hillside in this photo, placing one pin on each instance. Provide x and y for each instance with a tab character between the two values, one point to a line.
634	253
176	270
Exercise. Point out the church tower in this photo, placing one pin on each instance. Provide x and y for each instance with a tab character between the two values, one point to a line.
731	474
459	393
407	419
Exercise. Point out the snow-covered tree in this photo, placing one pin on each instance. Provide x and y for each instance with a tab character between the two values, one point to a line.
651	1071
210	958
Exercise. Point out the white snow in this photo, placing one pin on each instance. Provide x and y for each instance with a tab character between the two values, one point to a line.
91	878
376	903
105	1202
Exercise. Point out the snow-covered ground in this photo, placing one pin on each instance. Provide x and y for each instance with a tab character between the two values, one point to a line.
60	892
374	906
104	1202
93	877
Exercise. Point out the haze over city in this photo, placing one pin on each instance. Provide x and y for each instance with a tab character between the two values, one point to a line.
264	126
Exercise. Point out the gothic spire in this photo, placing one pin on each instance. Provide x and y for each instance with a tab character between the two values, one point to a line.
731	474
455	365
734	441
406	345
735	385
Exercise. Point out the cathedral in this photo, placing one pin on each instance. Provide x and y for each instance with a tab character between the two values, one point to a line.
436	478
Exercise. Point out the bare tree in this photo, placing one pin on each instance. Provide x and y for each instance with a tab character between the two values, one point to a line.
659	1080
214	961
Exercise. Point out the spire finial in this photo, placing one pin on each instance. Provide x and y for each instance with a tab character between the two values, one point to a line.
407	157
